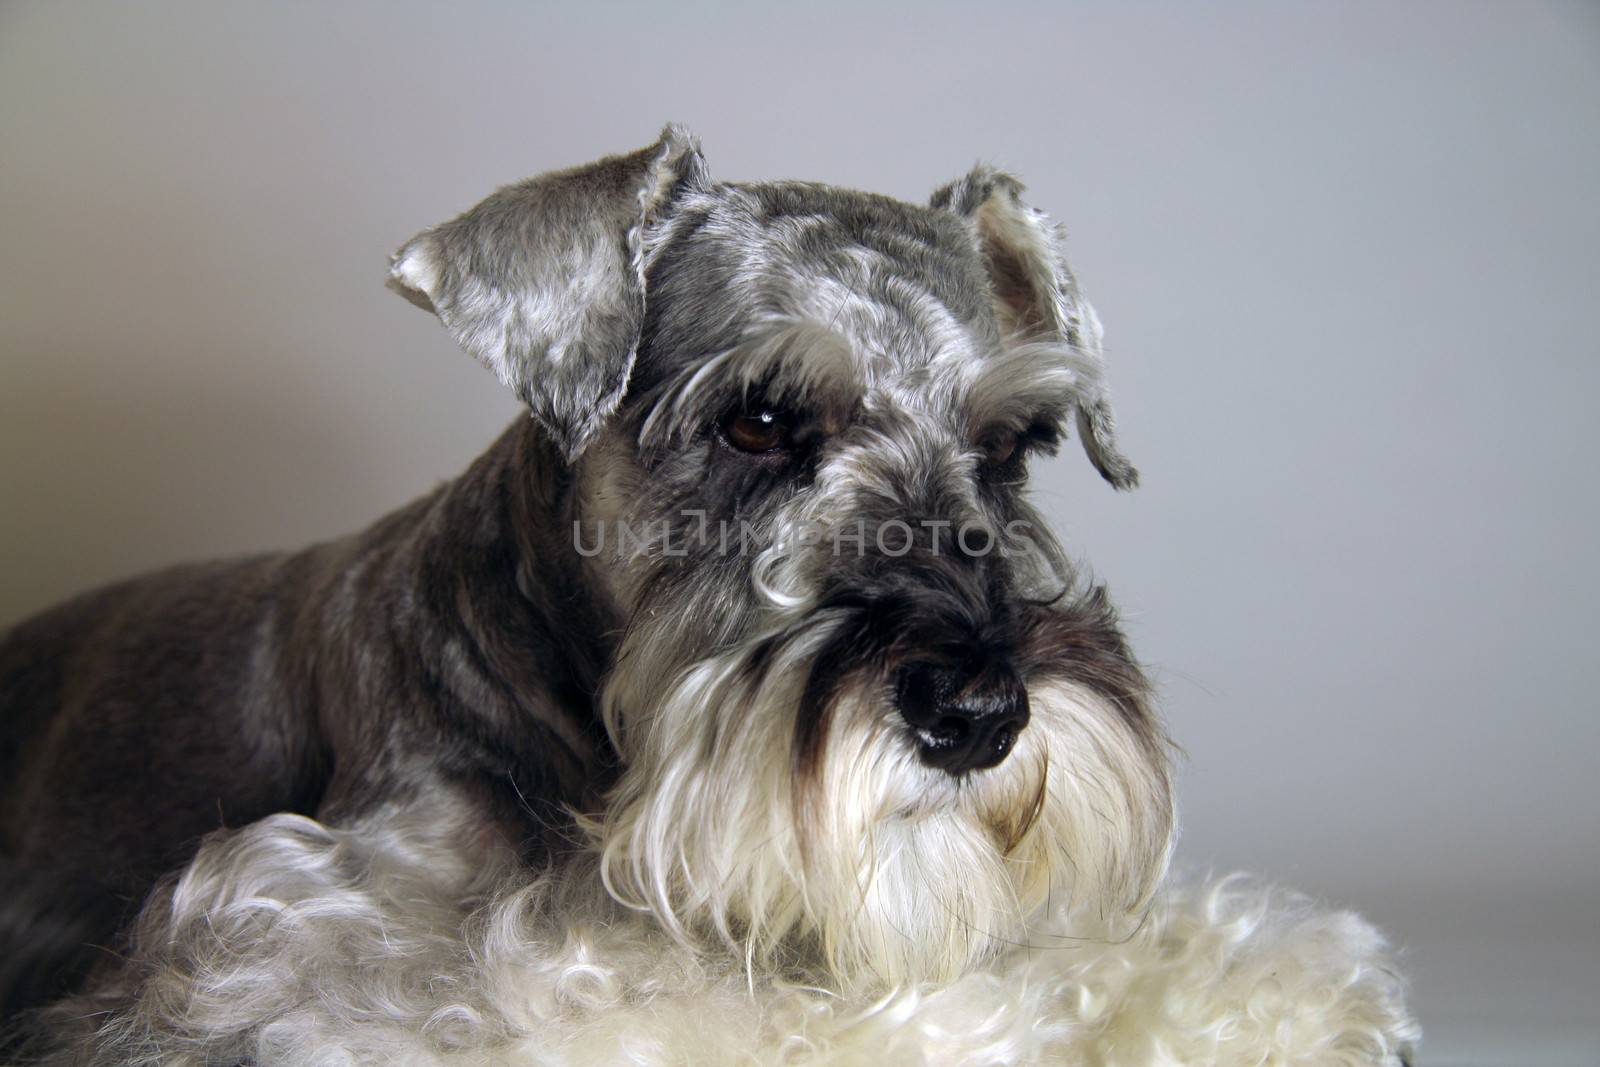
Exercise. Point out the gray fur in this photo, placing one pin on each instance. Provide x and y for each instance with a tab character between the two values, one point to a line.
463	641
542	281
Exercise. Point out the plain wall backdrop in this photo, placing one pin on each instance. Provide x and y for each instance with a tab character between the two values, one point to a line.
1347	259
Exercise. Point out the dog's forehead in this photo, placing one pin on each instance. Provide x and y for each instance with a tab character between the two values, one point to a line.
901	284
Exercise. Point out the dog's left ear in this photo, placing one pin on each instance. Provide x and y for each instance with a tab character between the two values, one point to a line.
1037	298
544	281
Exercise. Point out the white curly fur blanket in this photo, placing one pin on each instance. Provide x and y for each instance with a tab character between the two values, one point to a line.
292	943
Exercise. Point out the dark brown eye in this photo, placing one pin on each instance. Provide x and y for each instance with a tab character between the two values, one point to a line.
999	448
759	430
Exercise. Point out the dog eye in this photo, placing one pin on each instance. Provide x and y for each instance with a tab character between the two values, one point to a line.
762	429
1000	448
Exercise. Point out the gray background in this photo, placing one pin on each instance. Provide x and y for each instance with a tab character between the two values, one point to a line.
1346	255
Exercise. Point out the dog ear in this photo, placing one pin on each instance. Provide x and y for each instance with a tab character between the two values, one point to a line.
543	281
1037	298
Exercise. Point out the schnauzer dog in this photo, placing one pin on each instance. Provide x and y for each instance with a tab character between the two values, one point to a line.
750	622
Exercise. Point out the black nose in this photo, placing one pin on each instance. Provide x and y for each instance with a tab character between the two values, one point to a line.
965	718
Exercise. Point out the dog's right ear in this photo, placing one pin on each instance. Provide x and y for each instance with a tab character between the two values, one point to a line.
543	281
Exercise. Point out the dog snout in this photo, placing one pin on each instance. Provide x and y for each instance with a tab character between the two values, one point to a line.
965	718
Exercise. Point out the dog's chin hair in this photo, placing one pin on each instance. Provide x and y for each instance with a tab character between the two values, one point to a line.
873	870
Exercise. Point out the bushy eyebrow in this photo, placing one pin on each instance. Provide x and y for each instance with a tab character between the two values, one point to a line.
1026	386
797	363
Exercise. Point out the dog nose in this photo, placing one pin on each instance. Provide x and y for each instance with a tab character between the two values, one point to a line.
964	719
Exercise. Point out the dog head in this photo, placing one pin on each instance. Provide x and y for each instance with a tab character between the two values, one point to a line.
865	716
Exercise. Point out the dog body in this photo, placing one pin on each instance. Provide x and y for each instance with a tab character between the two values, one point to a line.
749	623
140	717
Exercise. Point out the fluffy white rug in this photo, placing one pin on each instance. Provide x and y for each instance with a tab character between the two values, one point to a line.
292	943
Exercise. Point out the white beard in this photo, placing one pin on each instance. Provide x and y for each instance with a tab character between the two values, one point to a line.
879	871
